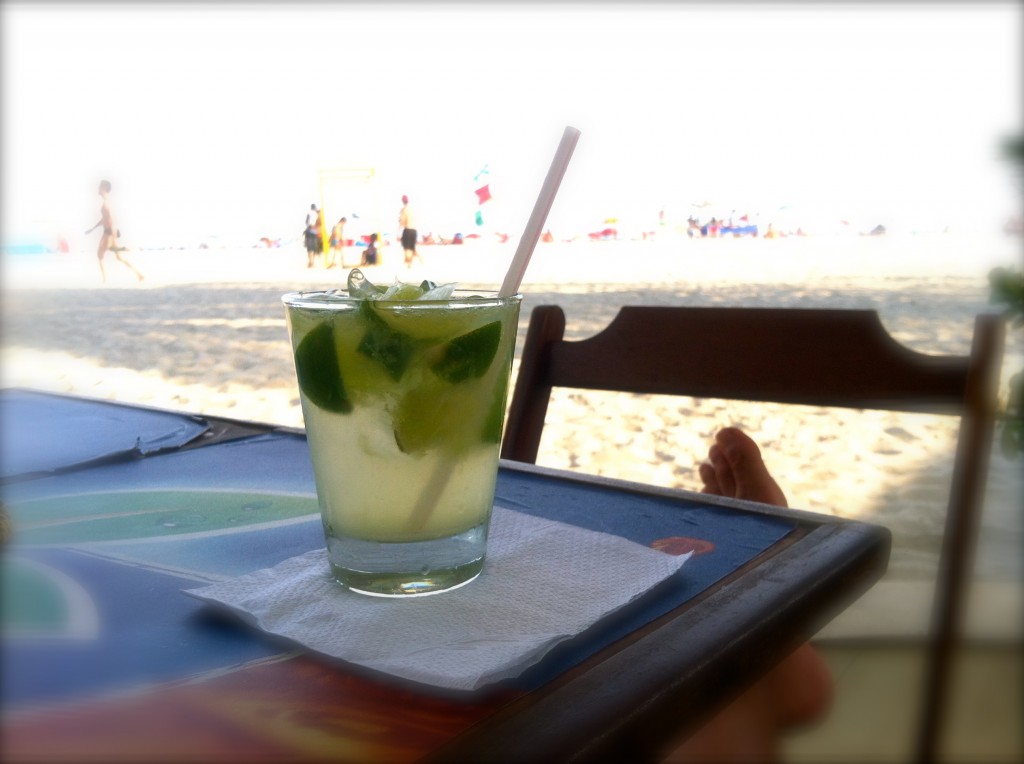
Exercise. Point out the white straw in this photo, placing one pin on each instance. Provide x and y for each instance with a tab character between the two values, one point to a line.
531	235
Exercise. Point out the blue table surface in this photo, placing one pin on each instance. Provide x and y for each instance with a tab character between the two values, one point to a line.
41	432
93	578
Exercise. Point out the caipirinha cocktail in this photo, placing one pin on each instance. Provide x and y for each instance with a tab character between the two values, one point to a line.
403	395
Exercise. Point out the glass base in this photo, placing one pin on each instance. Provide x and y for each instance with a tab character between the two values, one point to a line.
408	569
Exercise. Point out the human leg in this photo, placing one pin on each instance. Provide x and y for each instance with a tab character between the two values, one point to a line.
799	689
130	267
117	250
100	252
310	249
409	245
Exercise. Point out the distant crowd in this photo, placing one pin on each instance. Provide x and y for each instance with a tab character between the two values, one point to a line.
332	250
327	247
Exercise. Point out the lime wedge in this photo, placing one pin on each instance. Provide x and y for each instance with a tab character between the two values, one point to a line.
435	324
496	413
469	356
365	379
432	416
401	292
318	373
436	415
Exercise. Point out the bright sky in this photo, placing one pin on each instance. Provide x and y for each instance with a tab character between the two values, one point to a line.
215	120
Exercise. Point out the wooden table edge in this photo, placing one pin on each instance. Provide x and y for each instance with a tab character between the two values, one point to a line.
627	700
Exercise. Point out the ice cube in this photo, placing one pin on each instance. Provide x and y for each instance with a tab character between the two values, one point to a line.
443	292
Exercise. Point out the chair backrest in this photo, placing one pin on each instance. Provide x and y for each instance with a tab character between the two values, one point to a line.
834	358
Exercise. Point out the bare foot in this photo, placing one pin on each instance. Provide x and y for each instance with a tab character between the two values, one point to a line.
735	469
799	690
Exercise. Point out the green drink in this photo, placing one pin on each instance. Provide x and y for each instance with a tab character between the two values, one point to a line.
403	396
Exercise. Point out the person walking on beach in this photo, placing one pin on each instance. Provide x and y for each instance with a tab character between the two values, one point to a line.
314	240
337	242
408	227
109	239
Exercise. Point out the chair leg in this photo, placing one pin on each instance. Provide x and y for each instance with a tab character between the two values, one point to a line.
532	392
973	447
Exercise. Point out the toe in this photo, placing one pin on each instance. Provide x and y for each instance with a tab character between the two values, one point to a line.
723	471
709	479
752	480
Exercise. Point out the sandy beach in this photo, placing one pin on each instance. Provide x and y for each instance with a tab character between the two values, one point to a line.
205	333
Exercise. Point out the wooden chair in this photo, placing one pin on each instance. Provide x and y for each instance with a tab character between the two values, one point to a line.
834	358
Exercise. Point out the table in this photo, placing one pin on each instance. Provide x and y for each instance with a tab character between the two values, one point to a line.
116	509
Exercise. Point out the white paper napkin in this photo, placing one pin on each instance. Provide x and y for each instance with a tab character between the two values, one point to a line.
542	583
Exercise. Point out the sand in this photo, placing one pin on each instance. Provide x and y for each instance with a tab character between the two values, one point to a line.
205	333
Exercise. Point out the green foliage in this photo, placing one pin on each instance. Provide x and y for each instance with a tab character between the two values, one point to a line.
1013	149
1007	289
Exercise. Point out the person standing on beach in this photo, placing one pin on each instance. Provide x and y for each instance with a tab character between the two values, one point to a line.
408	226
314	242
337	242
108	241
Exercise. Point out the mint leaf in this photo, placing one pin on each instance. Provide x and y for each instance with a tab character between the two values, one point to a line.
469	356
318	372
391	349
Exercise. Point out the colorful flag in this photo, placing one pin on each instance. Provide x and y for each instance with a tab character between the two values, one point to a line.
483	193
